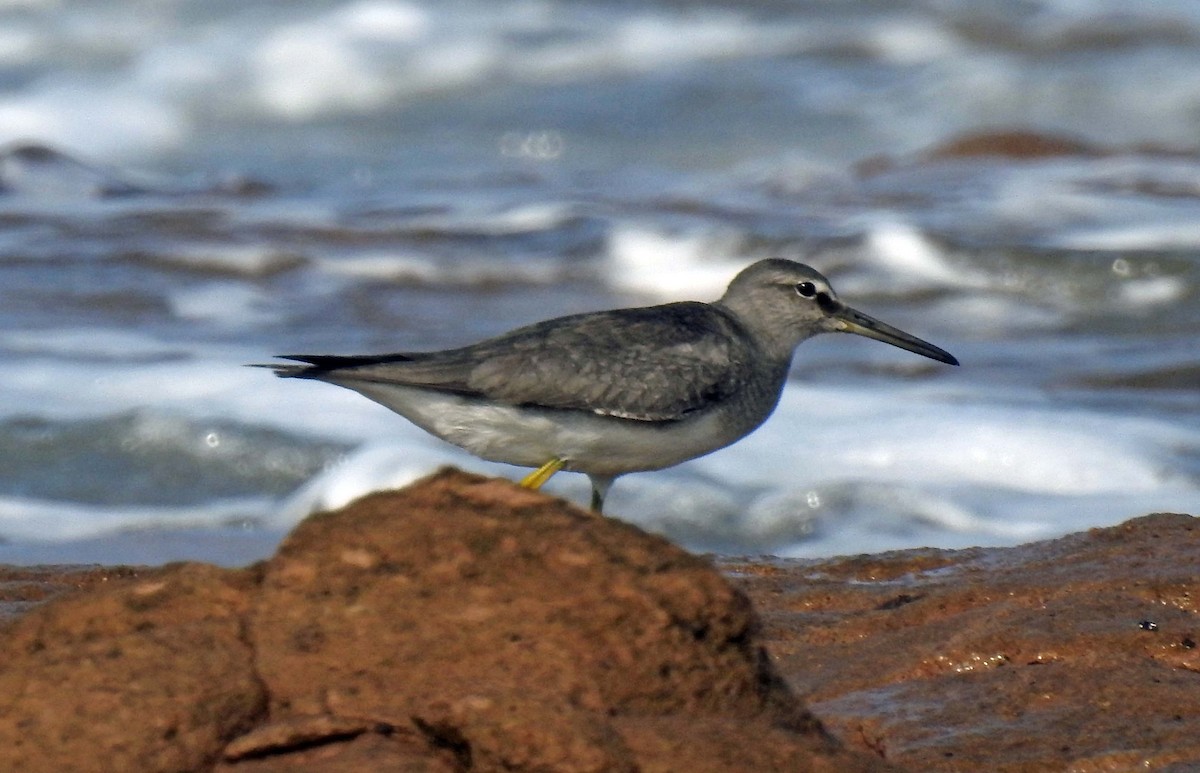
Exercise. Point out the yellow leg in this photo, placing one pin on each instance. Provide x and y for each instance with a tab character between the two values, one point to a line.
535	479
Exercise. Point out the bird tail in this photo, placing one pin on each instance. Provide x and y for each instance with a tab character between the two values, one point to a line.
317	365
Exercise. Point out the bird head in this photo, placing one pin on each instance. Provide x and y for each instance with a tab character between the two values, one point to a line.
784	303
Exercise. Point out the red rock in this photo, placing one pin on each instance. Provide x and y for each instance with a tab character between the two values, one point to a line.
998	147
460	624
146	674
1015	143
468	624
518	632
1075	654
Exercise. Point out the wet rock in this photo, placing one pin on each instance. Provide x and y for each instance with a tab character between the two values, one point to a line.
24	587
1073	654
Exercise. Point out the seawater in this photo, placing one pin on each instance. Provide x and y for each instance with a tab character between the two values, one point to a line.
189	188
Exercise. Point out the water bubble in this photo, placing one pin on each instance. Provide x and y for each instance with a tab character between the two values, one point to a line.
212	440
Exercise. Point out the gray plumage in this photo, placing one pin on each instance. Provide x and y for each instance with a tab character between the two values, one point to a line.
616	391
649	364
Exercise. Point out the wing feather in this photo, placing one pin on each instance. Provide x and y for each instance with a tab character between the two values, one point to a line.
657	363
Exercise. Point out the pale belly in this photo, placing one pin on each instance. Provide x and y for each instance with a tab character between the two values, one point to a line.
529	437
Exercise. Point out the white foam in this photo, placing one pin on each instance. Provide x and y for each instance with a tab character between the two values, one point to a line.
61	388
398	265
373	467
694	265
104	121
1151	291
912	41
390	265
912	260
528	218
915	436
654	41
587	45
374	53
495	221
342	59
906	251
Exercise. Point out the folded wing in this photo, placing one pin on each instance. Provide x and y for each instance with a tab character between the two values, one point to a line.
660	363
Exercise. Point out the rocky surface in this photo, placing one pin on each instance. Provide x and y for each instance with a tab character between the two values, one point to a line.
466	624
1075	654
462	624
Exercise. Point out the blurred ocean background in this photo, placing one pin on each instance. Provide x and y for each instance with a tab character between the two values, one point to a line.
188	187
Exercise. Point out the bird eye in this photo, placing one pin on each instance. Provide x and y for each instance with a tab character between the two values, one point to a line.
806	289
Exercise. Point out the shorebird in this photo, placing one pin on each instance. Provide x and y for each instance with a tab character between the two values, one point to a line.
612	392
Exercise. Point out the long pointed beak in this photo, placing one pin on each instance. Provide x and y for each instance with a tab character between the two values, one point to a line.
847	320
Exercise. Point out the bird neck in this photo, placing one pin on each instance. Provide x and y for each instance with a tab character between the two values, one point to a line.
775	340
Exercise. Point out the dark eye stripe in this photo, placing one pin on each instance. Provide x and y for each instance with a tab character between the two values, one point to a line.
827	303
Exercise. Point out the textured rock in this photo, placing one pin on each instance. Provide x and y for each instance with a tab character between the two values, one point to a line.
1074	654
511	630
460	624
146	674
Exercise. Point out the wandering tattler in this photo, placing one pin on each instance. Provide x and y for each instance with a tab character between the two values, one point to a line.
619	391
